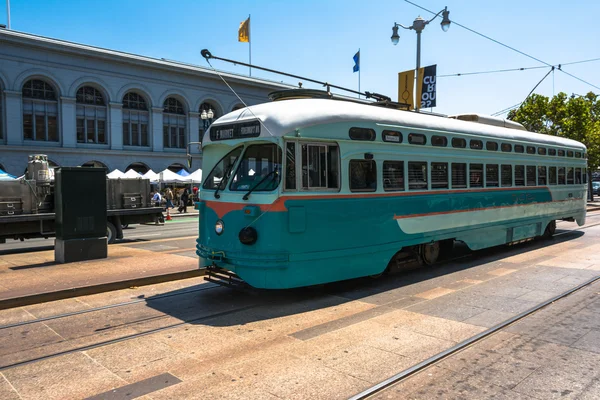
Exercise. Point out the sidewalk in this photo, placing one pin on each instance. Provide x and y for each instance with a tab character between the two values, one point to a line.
30	278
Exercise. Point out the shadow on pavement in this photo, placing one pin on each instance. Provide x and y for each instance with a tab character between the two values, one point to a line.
218	306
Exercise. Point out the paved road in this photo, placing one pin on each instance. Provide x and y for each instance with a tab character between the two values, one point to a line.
178	227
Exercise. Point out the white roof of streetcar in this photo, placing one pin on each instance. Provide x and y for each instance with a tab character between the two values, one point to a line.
285	116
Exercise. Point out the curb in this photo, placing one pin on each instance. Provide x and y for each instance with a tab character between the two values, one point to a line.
95	289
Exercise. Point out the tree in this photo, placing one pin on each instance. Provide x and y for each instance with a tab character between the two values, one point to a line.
574	117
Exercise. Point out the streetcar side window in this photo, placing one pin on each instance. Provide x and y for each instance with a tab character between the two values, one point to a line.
584	175
542	151
391	136
417	175
491	175
506	175
459	143
393	175
439	141
417	138
290	166
577	175
519	175
530	150
362	134
439	175
491	146
531	178
476	175
577	155
542	176
570	153
476	144
570	175
506	147
320	167
552	175
519	148
551	152
561	176
561	153
459	175
363	175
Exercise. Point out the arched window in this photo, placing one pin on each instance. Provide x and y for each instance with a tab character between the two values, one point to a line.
95	164
174	124
40	111
138	167
205	116
135	120
91	116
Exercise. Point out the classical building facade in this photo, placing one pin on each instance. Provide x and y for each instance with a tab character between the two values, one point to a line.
83	105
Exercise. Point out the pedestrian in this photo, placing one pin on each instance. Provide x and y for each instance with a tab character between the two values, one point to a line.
184	200
157	198
169	198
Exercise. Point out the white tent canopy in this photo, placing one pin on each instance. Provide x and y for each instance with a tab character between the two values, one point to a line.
151	175
116	174
195	176
168	176
132	174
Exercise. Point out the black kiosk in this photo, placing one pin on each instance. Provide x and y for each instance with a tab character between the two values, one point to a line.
80	207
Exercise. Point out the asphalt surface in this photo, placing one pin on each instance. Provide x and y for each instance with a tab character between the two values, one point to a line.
178	227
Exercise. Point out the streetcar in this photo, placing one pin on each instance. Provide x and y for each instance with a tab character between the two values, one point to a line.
307	191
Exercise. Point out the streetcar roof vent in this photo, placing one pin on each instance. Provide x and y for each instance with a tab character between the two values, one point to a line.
489	120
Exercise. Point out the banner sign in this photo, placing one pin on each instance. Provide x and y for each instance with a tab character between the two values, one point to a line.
426	91
235	131
406	84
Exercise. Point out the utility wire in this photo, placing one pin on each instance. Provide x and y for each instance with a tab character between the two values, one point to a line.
504	45
505	110
491	72
523	102
515	69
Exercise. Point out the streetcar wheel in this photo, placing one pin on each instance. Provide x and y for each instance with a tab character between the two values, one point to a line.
430	252
111	232
550	230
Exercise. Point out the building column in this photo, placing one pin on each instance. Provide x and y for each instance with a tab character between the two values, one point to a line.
14	118
68	121
157	129
194	135
116	126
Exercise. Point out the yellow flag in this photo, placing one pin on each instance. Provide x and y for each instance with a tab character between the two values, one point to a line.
406	82
244	31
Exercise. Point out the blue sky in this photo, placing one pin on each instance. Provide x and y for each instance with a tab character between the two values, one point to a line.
318	39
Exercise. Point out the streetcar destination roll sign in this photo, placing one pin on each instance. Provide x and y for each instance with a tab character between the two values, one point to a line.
235	131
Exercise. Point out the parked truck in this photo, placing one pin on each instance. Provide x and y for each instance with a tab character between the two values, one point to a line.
27	204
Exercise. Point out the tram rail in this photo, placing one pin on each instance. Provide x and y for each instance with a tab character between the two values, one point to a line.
106	307
409	372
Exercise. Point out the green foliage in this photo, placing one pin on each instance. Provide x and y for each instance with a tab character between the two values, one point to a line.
574	117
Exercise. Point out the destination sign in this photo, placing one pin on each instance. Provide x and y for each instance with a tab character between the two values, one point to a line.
235	131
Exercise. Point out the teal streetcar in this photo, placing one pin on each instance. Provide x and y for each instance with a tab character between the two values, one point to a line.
306	191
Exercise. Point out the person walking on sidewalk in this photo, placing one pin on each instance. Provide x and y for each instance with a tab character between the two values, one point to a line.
169	198
184	199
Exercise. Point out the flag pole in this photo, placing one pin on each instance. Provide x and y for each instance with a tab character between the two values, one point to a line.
359	68
8	12
249	44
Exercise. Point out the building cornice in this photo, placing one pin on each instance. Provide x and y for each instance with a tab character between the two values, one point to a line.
45	43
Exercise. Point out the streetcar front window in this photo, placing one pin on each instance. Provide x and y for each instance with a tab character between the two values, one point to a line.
217	179
259	169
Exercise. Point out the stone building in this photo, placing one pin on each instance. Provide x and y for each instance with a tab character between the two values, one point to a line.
84	105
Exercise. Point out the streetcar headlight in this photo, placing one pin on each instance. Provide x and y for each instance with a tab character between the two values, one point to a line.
219	227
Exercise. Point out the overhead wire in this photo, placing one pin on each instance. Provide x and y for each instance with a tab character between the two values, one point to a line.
505	45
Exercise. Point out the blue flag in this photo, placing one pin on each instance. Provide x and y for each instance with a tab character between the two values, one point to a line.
356	62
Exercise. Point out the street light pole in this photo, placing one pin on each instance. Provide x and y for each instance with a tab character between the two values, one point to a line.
418	26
